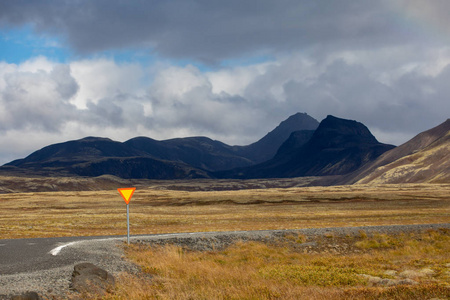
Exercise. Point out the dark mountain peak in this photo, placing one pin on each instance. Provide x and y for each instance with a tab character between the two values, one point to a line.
337	147
337	132
90	139
140	138
344	126
298	120
267	147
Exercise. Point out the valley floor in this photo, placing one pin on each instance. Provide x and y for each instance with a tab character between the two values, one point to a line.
368	266
154	210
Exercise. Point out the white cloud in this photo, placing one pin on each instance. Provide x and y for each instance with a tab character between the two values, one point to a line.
43	102
103	78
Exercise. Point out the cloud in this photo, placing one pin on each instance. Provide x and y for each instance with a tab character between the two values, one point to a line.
383	63
237	105
211	31
36	99
103	78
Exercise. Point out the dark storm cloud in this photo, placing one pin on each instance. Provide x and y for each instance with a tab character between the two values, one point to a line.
410	104
208	31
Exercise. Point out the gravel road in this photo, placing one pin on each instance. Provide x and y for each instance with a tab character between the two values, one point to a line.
107	253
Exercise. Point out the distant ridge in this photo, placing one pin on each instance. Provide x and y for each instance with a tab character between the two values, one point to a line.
94	156
337	147
337	151
143	157
199	152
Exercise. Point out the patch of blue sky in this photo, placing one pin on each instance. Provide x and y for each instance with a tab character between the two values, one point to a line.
20	44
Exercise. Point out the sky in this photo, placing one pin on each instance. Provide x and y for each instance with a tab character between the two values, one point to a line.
230	70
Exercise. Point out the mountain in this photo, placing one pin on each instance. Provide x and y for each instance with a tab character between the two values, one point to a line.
296	140
211	155
337	147
267	147
423	159
143	157
93	156
199	152
72	152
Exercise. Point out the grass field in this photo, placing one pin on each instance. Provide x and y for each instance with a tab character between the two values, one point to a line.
50	214
406	266
255	270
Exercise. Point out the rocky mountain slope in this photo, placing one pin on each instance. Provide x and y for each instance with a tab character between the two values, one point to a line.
267	147
143	157
337	147
423	159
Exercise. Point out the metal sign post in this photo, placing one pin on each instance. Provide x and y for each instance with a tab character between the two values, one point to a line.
127	193
128	224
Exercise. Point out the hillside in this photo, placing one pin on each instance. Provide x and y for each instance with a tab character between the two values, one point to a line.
143	157
423	159
337	147
93	156
199	152
267	147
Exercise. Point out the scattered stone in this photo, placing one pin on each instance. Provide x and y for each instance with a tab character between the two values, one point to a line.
308	245
90	279
390	272
412	274
406	281
427	272
377	281
26	296
371	280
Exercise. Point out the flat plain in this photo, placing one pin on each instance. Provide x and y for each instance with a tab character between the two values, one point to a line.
405	266
176	208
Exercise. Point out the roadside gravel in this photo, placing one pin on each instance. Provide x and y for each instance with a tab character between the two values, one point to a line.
108	253
53	283
208	241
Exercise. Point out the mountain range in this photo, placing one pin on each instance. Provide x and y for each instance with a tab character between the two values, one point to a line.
336	148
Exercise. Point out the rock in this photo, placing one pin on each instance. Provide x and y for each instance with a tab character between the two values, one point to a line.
390	272
308	245
406	281
411	274
427	272
377	281
90	279
26	296
372	280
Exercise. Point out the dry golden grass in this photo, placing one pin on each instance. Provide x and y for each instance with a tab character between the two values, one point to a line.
255	270
252	270
50	214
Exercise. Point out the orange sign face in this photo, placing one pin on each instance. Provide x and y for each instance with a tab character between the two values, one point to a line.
127	193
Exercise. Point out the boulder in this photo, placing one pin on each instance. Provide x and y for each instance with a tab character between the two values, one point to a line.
26	296
87	278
